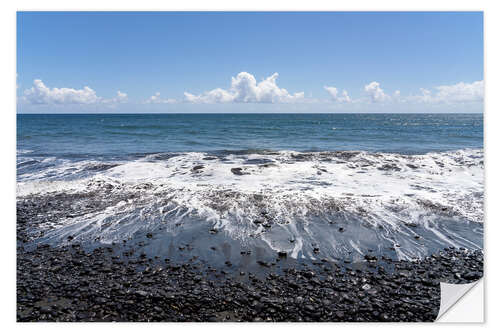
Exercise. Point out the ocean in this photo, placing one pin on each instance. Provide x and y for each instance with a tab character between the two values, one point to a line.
310	185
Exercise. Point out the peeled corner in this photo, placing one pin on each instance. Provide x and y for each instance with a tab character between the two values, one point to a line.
457	306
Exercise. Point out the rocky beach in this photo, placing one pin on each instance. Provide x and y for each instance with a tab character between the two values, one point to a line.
115	283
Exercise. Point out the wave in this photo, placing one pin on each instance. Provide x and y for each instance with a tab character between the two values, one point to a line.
343	203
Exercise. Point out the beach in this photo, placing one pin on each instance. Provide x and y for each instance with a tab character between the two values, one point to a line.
69	284
322	218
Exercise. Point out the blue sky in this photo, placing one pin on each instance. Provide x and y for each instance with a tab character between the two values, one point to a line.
326	62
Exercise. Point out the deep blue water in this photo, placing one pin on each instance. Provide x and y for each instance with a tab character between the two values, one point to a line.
107	135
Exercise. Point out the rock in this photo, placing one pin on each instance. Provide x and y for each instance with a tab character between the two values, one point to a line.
309	274
282	254
238	171
369	257
309	308
197	167
472	276
263	263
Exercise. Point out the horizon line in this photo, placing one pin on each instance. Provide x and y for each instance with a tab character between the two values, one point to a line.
233	113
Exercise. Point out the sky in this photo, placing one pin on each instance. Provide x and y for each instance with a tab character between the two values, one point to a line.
143	62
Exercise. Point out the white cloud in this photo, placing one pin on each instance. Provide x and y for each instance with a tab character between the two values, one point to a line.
245	89
376	93
120	97
156	99
456	93
334	94
41	94
461	92
217	95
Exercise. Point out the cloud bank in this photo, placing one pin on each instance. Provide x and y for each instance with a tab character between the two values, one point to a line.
245	89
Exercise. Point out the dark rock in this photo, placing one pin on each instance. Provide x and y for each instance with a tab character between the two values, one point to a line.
472	276
263	263
238	171
309	274
282	254
369	257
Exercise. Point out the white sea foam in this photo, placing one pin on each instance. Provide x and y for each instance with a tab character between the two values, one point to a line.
378	198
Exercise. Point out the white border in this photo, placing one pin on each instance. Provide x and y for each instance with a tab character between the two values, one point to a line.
492	121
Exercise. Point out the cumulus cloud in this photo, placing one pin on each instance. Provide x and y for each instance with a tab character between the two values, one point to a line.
334	94
39	93
376	93
456	93
156	99
245	89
